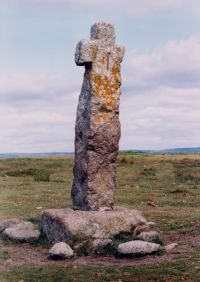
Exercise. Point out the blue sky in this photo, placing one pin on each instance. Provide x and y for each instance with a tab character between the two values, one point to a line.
40	82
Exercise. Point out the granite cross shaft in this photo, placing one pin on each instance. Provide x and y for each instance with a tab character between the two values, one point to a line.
97	130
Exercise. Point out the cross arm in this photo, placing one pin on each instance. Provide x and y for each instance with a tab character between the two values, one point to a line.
86	51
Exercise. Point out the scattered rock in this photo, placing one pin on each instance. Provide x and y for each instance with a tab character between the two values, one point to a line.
64	224
61	250
170	247
137	248
9	223
150	236
23	232
99	245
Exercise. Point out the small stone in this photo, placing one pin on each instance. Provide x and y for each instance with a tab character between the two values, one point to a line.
9	223
23	232
136	248
61	250
170	247
99	245
149	236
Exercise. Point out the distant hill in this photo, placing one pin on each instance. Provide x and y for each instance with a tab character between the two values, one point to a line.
166	151
181	150
34	155
49	154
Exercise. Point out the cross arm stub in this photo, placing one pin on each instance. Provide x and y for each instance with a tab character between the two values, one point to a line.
86	52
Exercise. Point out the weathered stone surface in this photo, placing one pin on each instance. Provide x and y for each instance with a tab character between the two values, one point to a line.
99	245
23	232
149	236
61	250
8	223
141	228
136	248
64	224
97	124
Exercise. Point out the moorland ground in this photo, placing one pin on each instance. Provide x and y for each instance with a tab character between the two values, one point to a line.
166	188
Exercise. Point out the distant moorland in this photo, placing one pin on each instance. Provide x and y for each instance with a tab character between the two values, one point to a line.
49	154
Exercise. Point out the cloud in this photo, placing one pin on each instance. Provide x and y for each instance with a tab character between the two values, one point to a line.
35	83
39	125
161	118
161	97
38	112
159	104
132	7
176	64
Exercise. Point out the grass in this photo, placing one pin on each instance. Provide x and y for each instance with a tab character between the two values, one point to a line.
91	273
165	188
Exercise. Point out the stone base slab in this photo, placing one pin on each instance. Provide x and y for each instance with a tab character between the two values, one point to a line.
66	224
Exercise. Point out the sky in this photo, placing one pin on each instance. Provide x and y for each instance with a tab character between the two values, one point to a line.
40	83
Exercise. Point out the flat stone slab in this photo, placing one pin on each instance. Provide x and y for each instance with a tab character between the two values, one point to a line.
65	224
23	232
137	248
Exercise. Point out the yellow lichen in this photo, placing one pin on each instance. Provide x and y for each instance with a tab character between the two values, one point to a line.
106	88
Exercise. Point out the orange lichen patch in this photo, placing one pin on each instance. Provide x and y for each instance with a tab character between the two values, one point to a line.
102	117
94	50
103	86
110	104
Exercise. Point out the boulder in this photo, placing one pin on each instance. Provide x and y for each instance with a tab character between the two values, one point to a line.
61	250
150	236
137	248
8	223
23	232
65	224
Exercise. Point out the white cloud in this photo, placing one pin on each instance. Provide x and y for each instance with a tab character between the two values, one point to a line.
37	112
159	104
161	118
133	7
175	64
161	99
35	85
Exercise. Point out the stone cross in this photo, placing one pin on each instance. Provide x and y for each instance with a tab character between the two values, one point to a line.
97	130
